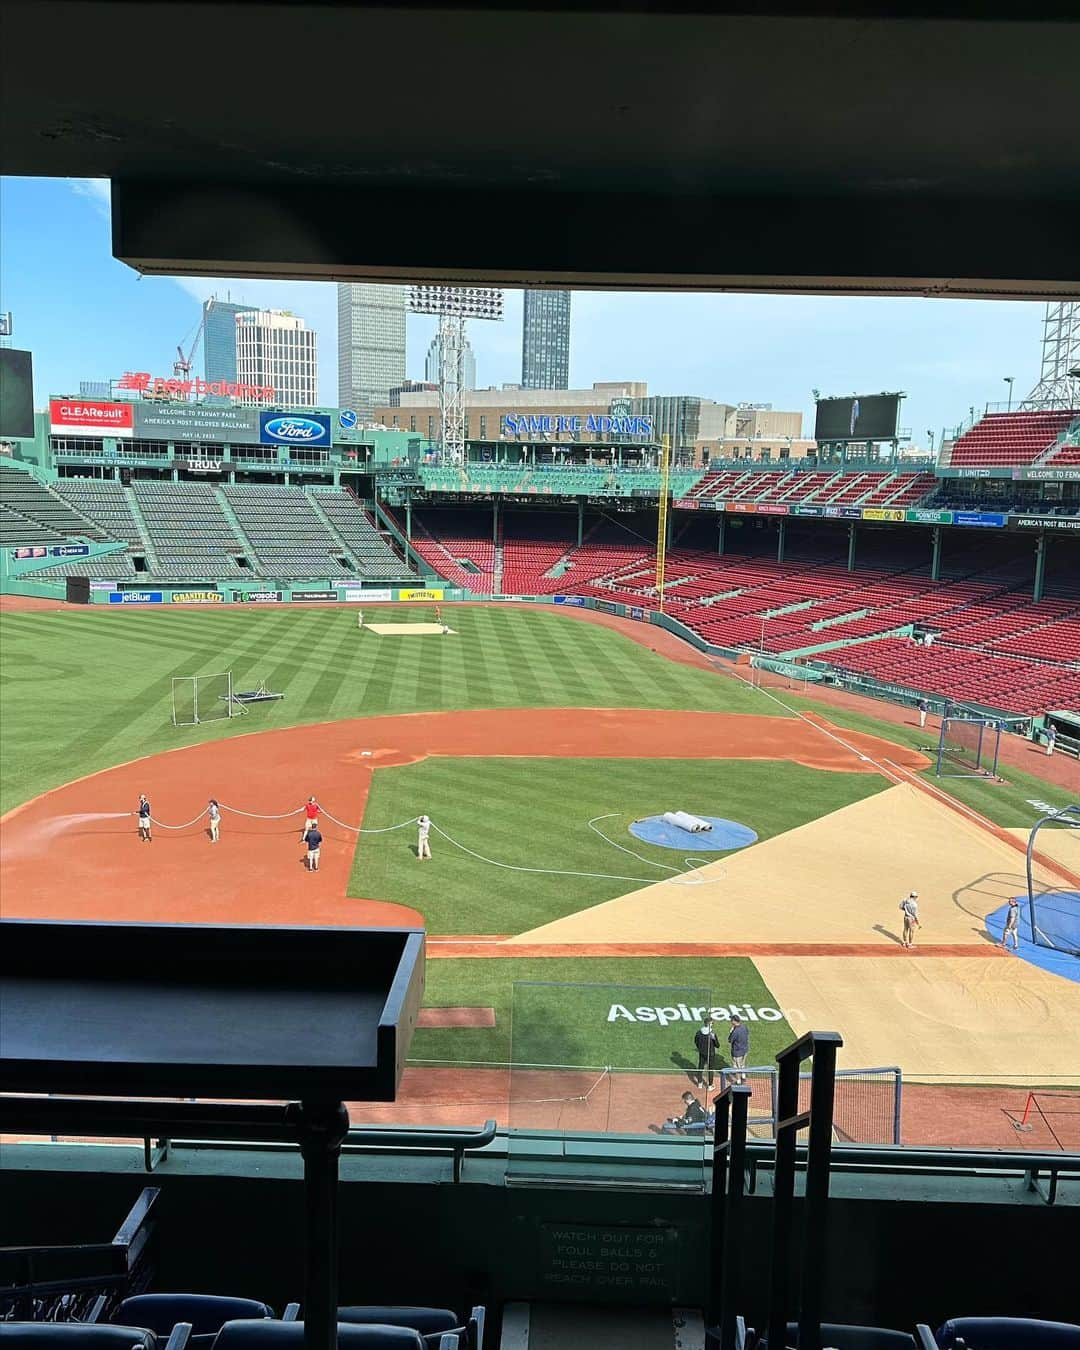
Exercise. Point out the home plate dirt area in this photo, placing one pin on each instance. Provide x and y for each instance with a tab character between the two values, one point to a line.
801	925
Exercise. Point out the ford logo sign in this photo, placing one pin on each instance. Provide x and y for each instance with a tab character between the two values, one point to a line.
295	430
348	419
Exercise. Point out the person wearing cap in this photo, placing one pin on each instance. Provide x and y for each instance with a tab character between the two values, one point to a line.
909	907
423	843
739	1040
1012	925
144	818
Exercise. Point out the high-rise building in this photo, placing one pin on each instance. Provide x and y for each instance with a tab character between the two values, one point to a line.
371	345
276	348
545	340
219	340
432	364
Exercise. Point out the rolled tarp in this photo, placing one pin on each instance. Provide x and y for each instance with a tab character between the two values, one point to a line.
683	820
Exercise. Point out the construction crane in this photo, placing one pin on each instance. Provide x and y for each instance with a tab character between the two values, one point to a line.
182	365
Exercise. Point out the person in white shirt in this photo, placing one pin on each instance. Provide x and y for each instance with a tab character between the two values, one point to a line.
423	845
214	812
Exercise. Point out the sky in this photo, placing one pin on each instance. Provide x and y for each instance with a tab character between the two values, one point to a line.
86	316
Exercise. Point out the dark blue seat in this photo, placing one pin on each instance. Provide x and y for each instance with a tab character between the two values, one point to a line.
75	1336
840	1337
1007	1333
432	1323
207	1313
263	1335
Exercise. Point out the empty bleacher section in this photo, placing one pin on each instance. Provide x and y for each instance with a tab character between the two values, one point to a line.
288	539
41	507
15	528
815	487
1010	439
352	524
458	545
108	504
188	532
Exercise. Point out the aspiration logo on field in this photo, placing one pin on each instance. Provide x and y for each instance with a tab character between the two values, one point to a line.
306	429
681	1012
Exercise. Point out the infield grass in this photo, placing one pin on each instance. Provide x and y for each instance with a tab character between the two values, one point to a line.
533	814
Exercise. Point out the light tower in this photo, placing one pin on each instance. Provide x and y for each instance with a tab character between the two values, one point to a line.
1059	385
452	305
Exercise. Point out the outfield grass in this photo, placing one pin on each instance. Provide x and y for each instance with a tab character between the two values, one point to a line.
82	690
556	1010
533	813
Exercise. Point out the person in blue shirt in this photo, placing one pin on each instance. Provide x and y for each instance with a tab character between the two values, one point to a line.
144	818
739	1040
313	839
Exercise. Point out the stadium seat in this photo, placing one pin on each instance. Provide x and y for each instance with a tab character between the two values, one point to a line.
84	1336
207	1313
1007	1333
432	1323
837	1337
263	1335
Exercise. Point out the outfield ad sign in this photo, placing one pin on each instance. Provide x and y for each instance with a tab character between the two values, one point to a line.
436	594
314	595
372	597
197	598
136	597
985	519
261	597
575	601
1046	522
307	430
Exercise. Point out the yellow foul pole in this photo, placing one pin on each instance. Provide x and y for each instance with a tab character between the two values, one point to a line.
661	520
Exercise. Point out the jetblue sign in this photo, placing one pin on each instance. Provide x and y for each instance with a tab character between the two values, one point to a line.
572	424
300	429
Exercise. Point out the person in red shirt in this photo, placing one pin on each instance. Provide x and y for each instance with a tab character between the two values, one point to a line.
311	818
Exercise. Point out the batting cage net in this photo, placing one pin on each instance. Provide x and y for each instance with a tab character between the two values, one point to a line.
866	1108
203	698
1051	917
967	746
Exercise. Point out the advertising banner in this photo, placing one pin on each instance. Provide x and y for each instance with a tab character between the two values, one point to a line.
197	598
69	551
807	510
882	513
308	430
987	519
844	512
186	423
929	517
1048	474
420	595
742	508
770	509
636	612
314	595
577	601
606	607
261	597
90	417
1046	522
37	551
369	597
686	504
135	597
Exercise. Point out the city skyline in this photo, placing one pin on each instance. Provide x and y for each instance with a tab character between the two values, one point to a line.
371	345
87	316
545	340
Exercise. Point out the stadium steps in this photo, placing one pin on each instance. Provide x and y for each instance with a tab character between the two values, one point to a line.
332	530
238	529
144	530
497	571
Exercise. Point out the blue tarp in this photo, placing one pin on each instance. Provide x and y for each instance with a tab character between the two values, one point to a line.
724	835
1057	916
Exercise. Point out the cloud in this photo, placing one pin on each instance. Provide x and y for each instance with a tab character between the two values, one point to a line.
98	192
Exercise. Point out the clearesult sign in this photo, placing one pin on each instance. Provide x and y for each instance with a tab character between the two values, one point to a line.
180	422
90	417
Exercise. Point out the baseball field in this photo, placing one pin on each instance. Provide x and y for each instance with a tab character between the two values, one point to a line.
567	936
